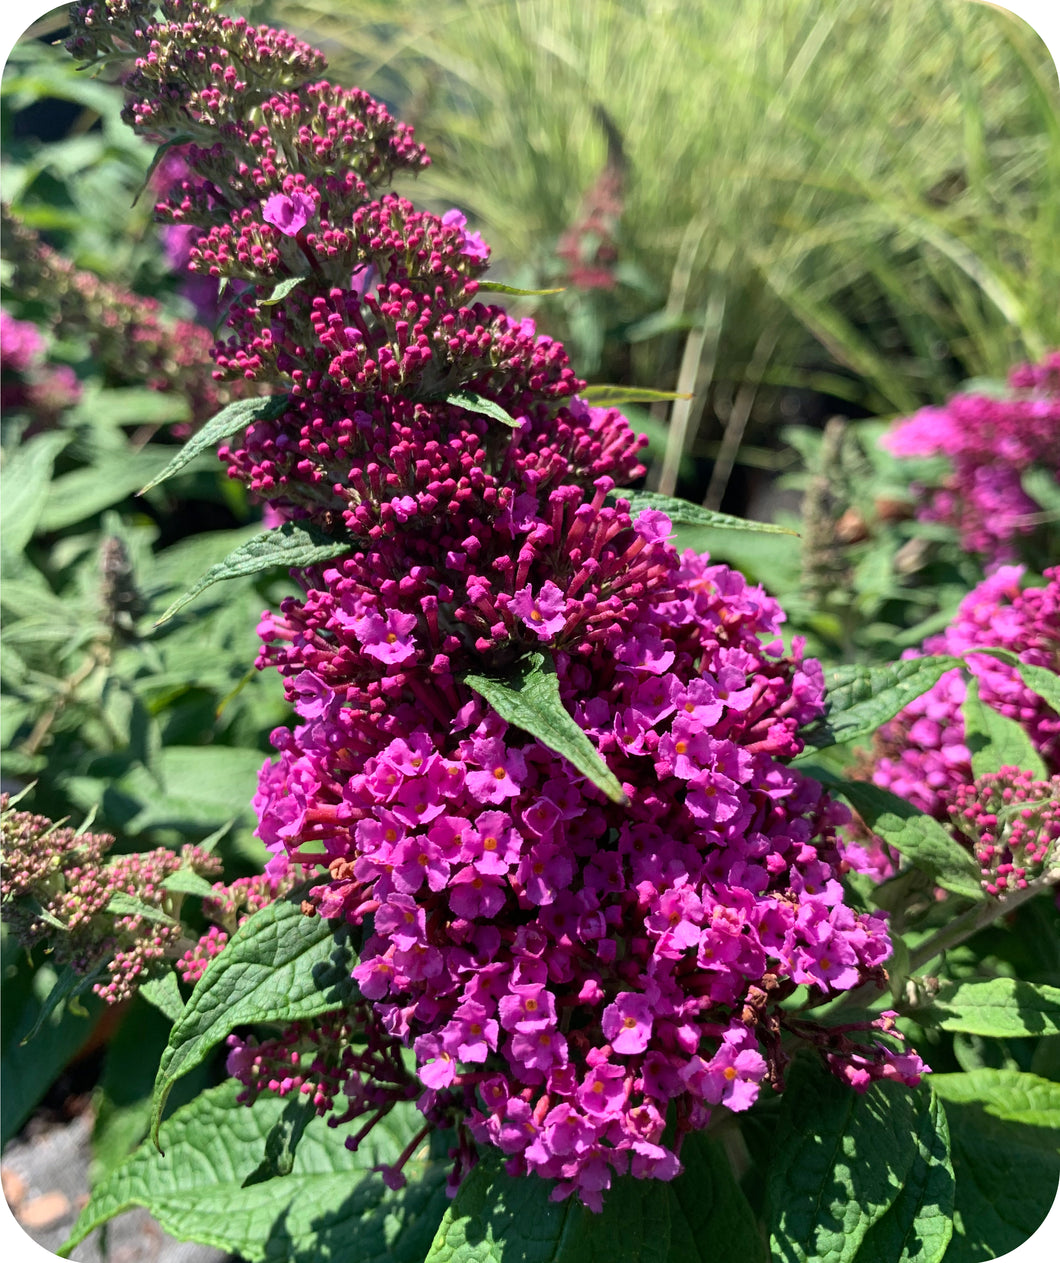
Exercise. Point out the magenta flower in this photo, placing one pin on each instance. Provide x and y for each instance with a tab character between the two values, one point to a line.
542	614
627	1022
290	212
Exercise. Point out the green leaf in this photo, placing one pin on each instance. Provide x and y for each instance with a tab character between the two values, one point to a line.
528	697
1012	1096
686	513
614	396
1038	679
995	741
230	420
496	1218
707	1206
1006	1170
24	480
860	698
495	287
280	291
164	993
282	1141
858	1177
122	905
331	1205
186	881
279	966
292	544
1000	1007
470	402
922	840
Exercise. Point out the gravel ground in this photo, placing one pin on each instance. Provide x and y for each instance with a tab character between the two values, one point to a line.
45	1183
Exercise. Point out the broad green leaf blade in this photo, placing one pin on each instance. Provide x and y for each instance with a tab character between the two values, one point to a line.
615	396
1012	1096
292	544
496	1218
495	287
471	402
1038	679
707	1206
922	840
860	698
1000	1007
230	420
688	514
331	1205
529	698
24	480
164	993
994	740
918	1226
279	966
855	1175
1004	1143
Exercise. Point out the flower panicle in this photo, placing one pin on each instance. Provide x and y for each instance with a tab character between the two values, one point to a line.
58	890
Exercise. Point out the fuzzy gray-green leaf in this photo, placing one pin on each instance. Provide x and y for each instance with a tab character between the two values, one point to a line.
686	513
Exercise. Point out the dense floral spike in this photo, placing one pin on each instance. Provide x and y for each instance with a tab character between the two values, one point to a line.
57	887
581	965
921	755
564	969
990	444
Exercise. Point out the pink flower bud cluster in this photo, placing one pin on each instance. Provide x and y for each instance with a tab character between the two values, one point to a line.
990	444
58	888
921	754
565	966
1012	821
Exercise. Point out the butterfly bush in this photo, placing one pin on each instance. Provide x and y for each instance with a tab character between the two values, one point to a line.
572	959
922	756
990	444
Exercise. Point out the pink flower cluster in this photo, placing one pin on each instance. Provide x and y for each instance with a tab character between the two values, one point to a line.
566	964
921	754
1013	824
27	383
58	888
990	444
